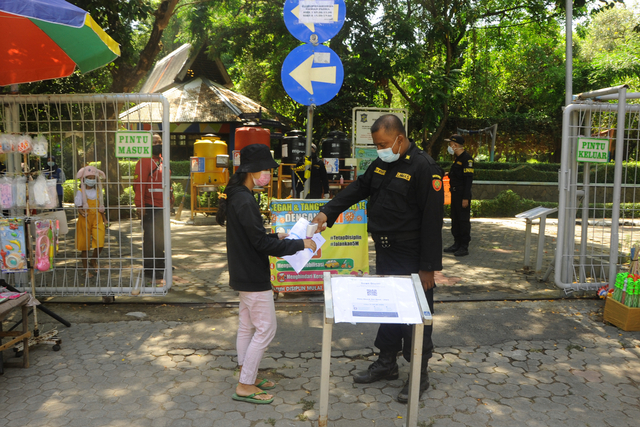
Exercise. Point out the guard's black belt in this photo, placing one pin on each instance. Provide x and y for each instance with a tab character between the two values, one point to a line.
395	237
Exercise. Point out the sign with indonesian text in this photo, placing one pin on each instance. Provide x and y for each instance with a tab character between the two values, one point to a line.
593	150
346	250
133	144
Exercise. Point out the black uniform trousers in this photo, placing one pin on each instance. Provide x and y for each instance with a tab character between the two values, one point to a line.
460	219
402	258
153	242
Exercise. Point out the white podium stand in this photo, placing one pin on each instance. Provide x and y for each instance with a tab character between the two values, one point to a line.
340	300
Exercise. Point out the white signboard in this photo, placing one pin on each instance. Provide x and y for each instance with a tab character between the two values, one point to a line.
593	150
364	118
375	300
318	11
133	144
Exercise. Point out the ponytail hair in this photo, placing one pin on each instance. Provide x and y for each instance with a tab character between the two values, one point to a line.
236	180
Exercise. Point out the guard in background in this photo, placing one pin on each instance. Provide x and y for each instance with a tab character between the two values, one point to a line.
406	205
319	185
149	204
461	178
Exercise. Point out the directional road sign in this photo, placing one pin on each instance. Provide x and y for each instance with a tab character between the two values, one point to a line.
312	74
304	18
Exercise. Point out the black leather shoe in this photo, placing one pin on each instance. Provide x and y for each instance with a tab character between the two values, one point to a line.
403	396
453	248
381	369
463	251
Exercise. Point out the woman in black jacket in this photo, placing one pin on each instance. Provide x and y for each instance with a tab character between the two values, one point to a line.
248	250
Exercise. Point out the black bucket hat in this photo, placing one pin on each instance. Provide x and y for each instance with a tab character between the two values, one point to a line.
256	158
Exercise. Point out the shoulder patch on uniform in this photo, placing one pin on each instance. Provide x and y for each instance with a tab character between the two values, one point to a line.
436	176
437	184
403	176
467	170
380	171
470	163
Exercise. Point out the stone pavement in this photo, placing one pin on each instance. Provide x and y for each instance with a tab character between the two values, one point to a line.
170	373
508	353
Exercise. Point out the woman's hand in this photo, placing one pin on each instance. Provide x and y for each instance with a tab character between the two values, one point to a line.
82	212
310	244
282	235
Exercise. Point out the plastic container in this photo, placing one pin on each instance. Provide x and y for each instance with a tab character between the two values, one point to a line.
294	148
248	135
209	149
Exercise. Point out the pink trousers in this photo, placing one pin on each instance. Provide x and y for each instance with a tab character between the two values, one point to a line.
256	329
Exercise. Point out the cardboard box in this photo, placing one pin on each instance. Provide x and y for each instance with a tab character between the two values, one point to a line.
625	318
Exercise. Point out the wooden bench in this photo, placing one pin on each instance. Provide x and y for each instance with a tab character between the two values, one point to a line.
17	336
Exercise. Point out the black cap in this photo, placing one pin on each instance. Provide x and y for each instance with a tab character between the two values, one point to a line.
256	158
458	139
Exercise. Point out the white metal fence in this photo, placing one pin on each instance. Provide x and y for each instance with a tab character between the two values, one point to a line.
598	219
80	130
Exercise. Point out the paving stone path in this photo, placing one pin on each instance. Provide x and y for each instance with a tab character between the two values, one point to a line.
141	373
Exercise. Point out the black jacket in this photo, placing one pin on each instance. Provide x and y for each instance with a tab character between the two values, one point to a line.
249	245
461	175
406	196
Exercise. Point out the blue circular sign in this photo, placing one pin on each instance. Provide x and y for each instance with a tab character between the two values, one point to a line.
312	74
307	19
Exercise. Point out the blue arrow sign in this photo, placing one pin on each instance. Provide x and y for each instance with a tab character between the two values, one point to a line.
304	18
312	74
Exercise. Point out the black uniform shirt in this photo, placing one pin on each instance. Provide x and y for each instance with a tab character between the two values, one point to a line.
461	175
406	196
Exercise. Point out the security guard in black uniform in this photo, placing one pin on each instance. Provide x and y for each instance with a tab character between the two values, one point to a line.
405	211
460	180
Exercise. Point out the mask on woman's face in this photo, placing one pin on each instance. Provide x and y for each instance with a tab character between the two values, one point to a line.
450	150
90	182
51	164
264	179
156	150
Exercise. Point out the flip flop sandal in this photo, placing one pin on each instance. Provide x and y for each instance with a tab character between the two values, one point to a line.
261	386
251	398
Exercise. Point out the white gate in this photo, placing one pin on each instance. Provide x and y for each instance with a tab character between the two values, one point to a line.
80	130
598	220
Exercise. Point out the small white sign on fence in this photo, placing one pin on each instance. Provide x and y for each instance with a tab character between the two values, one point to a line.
133	144
593	150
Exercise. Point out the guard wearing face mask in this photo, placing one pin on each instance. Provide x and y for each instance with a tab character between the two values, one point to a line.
461	178
404	187
149	204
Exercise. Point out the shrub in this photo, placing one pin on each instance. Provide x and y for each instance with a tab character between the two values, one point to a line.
506	204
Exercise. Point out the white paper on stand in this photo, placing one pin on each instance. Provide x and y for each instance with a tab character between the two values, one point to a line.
375	300
301	258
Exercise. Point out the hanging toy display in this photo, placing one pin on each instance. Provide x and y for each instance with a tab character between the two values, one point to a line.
40	146
12	245
44	245
25	144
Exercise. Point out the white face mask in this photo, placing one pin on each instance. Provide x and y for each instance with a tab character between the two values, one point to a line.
90	182
265	177
387	155
450	150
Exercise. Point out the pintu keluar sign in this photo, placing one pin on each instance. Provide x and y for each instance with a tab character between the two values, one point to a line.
593	150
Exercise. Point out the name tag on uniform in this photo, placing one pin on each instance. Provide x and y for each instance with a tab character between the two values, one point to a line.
468	170
403	176
380	171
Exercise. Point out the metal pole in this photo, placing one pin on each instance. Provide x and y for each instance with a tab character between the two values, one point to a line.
325	364
569	54
527	244
414	375
541	227
307	182
617	184
166	194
